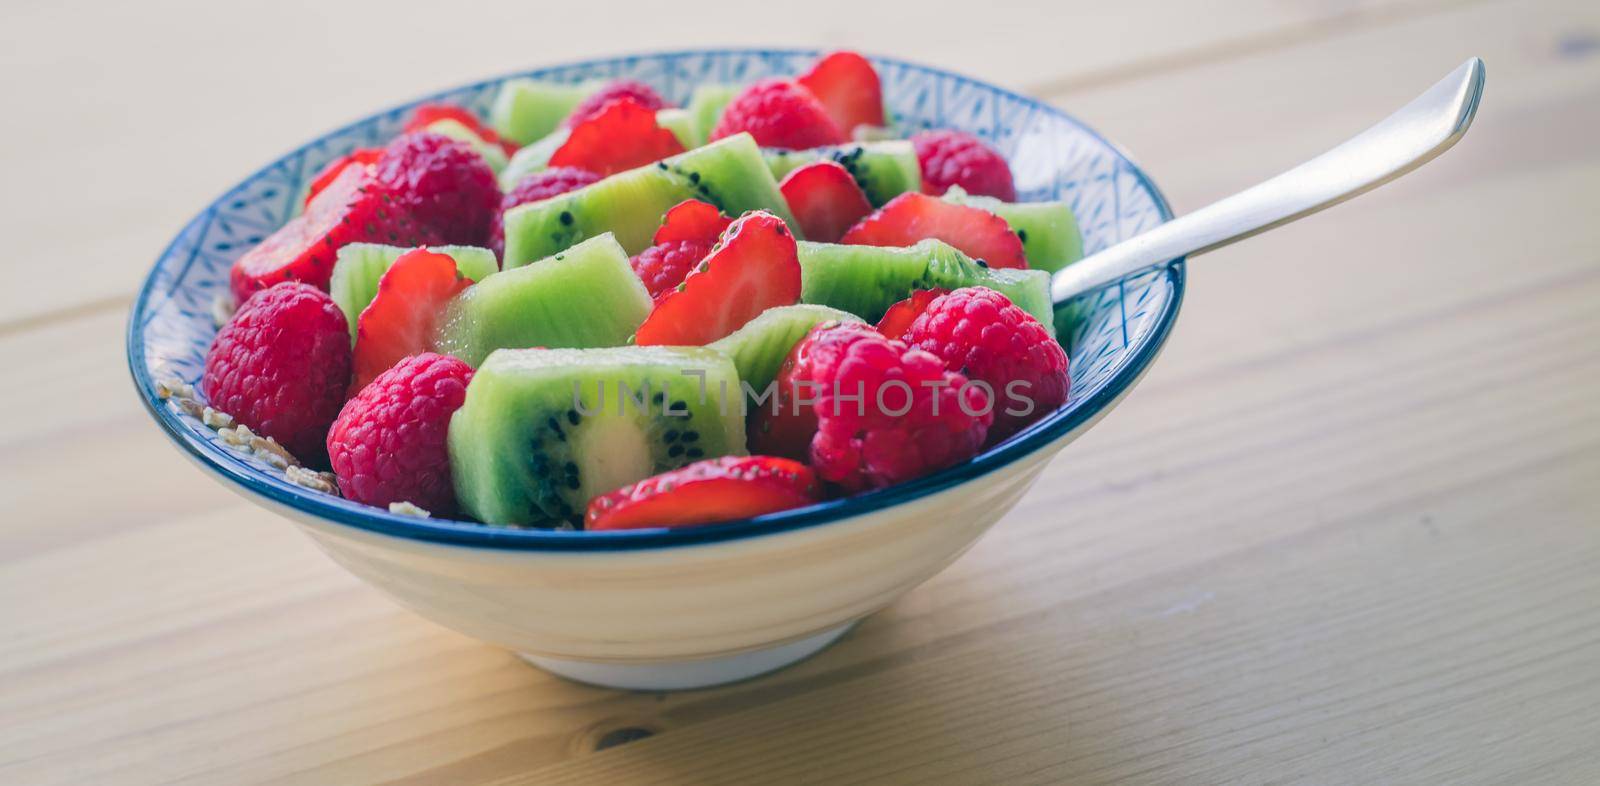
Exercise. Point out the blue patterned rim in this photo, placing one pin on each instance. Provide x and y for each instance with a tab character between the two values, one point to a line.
1053	155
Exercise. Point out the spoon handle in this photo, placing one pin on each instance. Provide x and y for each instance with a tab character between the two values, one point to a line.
1405	140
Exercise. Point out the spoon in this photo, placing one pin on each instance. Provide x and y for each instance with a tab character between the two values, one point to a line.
1405	140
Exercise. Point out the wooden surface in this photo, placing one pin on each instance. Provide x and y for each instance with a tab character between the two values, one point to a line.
1346	532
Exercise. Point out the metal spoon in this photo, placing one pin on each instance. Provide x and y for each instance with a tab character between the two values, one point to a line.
1405	140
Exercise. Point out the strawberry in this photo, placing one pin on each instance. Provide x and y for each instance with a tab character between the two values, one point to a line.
705	492
687	233
911	217
621	135
897	320
399	321
352	208
825	200
847	85
428	114
754	267
779	113
359	157
694	220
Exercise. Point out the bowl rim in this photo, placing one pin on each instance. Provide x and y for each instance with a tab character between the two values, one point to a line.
232	469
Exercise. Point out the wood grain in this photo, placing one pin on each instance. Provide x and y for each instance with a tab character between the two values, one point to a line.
1344	533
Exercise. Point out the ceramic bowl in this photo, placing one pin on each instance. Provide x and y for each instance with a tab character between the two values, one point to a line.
661	609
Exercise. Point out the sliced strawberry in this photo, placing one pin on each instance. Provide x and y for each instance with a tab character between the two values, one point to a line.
911	217
692	219
705	492
428	114
897	320
847	85
825	199
753	268
400	320
622	135
351	209
360	156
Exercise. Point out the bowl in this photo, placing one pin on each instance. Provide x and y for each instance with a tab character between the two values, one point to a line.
666	609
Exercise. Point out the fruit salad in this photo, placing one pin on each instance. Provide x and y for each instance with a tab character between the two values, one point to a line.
593	309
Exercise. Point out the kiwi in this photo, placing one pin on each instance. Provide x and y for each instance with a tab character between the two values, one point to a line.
488	151
866	280
728	173
884	170
544	431
1049	231
359	266
758	348
536	156
705	107
585	296
525	110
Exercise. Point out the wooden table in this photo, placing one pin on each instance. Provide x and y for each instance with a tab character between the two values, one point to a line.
1346	532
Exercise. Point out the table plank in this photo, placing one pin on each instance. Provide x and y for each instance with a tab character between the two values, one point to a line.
108	162
1345	530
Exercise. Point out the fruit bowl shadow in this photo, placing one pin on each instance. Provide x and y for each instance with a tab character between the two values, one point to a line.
657	608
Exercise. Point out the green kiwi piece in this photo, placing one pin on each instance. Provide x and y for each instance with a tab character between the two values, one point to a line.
585	296
1049	231
536	157
728	173
758	348
544	431
866	280
884	170
488	151
525	110
705	106
681	124
359	266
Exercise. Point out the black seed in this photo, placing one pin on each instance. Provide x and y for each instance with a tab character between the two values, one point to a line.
694	177
695	453
572	482
670	436
675	451
691	436
572	416
981	263
1022	234
571	468
566	218
661	165
554	426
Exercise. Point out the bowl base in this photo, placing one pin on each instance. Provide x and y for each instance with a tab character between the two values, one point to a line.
687	674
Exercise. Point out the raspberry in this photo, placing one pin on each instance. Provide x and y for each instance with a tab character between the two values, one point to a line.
388	444
779	113
282	365
953	158
442	185
664	266
536	186
982	334
886	413
621	88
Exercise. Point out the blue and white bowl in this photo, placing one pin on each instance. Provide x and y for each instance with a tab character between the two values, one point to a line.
661	608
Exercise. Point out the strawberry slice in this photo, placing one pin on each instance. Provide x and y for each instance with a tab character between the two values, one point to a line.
910	217
622	135
428	114
897	320
705	492
359	157
400	320
753	268
847	85
694	220
825	199
350	209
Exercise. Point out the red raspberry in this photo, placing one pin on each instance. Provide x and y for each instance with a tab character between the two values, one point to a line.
388	444
953	158
665	266
885	413
982	334
536	186
621	88
779	113
442	185
282	366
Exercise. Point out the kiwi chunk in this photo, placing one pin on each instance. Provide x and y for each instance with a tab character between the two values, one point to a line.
543	431
1049	230
866	280
758	348
359	266
488	151
728	173
525	110
585	296
705	107
884	170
